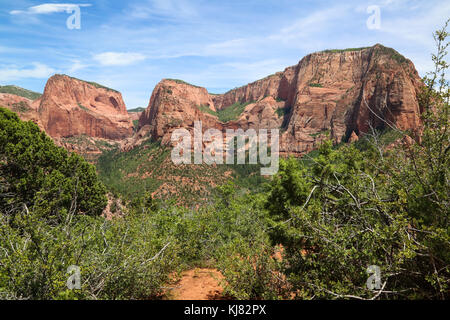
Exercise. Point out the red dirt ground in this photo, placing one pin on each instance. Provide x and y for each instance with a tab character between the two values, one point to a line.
198	284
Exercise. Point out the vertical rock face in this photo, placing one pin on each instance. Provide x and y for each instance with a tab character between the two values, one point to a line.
337	93
175	104
71	107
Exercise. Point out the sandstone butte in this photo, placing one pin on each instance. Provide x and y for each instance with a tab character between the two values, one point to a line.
340	93
336	93
71	107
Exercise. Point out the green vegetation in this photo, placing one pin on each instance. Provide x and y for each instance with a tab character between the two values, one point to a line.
182	82
322	132
18	91
382	50
344	50
82	107
206	109
136	110
281	112
34	172
316	85
335	212
229	113
232	112
95	84
20	107
149	168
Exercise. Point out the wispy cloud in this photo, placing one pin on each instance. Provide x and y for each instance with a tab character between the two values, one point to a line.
132	45
118	58
37	71
48	8
76	66
164	9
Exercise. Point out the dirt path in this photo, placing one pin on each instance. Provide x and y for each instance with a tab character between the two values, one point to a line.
198	284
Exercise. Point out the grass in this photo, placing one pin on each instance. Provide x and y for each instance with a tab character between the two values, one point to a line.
18	91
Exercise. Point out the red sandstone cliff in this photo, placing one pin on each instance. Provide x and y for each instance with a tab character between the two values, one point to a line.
71	107
340	92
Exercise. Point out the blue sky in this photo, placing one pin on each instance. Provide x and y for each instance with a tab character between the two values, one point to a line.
131	45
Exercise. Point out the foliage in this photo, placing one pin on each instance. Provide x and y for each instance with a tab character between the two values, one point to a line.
20	107
126	173
381	201
232	112
135	110
82	107
357	207
228	113
34	172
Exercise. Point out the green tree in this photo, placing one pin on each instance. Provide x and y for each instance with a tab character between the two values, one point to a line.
36	173
387	207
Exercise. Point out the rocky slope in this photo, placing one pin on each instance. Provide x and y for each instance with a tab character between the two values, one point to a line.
341	93
24	107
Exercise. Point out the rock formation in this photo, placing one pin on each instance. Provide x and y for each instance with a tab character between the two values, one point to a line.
336	93
71	107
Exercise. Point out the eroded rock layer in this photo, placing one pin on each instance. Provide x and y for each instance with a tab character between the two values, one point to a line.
336	93
71	107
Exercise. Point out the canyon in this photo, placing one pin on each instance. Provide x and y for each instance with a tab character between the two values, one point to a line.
337	94
341	94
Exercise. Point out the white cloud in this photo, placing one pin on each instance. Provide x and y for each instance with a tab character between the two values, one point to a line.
47	8
311	25
76	66
38	71
168	9
118	58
